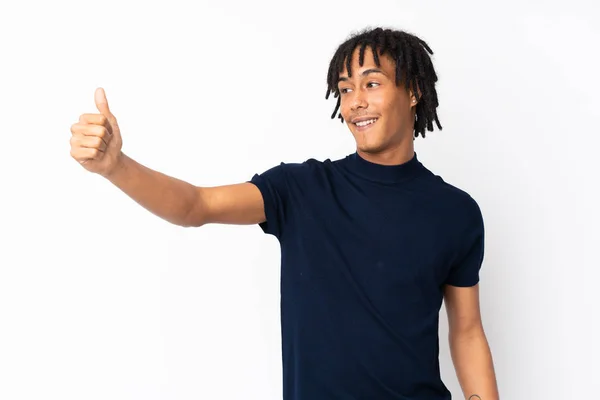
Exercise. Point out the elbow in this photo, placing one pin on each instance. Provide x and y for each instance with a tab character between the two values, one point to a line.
193	216
466	336
466	331
192	219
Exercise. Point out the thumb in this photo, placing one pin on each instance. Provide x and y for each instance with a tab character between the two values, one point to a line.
102	103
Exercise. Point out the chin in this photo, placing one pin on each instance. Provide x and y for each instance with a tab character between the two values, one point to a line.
371	146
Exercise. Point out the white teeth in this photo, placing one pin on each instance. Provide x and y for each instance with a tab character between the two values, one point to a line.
365	123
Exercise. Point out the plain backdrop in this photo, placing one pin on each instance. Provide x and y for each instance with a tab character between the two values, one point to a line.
100	299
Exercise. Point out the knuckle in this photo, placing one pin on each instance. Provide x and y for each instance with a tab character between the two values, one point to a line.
97	130
102	132
91	130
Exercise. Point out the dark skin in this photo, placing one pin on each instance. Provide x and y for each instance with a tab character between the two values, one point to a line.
372	92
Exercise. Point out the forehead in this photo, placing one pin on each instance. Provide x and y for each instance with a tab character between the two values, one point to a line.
385	63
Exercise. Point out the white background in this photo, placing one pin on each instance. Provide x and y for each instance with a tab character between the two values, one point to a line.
100	299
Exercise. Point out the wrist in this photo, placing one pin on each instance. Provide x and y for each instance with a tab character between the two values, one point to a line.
117	167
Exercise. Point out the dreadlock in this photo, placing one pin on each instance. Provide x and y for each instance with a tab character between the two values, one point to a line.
413	68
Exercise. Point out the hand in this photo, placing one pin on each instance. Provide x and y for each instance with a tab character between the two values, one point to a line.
96	139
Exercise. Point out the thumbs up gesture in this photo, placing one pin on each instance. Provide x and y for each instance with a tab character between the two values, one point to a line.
96	139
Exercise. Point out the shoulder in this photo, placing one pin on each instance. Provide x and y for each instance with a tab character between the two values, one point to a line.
456	194
453	200
289	174
298	168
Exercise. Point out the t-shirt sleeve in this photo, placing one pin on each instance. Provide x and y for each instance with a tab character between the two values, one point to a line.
273	187
465	270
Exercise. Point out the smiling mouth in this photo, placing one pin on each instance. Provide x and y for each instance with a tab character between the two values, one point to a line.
365	124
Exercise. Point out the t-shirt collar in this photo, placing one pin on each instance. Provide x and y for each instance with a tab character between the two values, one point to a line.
384	173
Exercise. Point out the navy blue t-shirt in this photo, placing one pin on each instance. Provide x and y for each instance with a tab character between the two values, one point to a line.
366	250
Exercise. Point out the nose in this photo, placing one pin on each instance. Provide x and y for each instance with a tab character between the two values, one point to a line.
358	100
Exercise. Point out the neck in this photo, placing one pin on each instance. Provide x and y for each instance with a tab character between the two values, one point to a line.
391	156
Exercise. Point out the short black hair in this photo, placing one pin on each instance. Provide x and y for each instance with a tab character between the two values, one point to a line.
413	68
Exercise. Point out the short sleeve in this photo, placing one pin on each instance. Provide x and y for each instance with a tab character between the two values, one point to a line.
465	270
273	187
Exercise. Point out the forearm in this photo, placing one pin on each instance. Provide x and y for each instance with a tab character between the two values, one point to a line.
169	198
474	366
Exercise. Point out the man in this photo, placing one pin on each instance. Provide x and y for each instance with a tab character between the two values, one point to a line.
370	244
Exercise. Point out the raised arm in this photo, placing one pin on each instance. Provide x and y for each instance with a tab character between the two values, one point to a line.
96	144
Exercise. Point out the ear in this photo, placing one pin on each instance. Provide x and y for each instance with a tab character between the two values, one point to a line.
413	99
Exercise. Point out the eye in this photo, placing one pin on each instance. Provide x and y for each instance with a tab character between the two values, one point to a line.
344	90
372	83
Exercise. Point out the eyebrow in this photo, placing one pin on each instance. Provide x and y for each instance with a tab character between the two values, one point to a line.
364	73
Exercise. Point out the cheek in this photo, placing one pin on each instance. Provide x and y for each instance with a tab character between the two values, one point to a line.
344	110
396	112
389	103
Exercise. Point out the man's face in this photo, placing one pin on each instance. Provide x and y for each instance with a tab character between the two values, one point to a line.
371	93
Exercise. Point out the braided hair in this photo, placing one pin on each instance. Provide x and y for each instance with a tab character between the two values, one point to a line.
414	69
